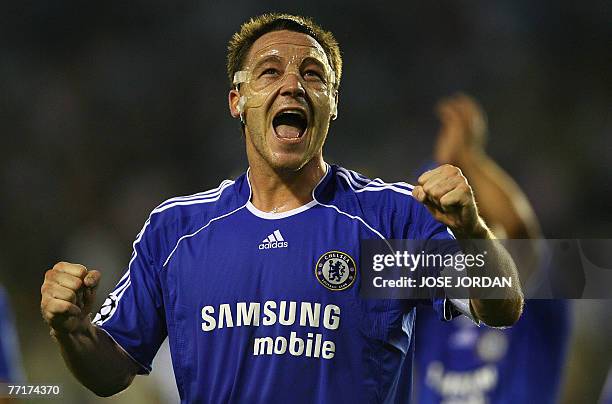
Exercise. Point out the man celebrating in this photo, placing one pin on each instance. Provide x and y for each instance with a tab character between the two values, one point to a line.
255	283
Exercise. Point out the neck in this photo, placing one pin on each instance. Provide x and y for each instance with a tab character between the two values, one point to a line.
275	190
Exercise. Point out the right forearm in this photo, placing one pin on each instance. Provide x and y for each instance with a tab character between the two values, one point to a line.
96	360
67	296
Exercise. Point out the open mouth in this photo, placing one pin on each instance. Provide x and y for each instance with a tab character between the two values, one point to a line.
290	124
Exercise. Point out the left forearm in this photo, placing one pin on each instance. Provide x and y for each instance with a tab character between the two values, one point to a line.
505	307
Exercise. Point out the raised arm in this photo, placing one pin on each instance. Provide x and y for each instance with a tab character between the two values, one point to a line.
461	142
68	293
502	204
448	196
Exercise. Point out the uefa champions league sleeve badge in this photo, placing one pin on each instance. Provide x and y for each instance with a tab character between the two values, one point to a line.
336	270
107	310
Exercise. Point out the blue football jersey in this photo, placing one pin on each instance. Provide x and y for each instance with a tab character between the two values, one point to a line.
459	362
264	307
10	361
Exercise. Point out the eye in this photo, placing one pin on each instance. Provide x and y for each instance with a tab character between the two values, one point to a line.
313	75
270	72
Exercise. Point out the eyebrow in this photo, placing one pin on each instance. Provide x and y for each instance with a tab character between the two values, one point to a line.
265	60
275	58
311	59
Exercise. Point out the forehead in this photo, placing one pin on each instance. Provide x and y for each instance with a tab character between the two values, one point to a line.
283	40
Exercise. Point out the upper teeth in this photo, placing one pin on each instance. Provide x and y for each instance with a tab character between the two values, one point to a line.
293	111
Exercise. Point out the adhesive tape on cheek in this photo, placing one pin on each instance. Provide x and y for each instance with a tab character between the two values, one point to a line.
240	76
241	103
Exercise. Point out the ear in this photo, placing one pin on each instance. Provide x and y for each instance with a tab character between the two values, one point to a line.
334	112
233	99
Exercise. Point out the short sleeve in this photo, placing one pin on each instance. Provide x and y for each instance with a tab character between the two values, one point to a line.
133	313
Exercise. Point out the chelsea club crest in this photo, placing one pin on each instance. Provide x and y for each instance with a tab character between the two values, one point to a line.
336	270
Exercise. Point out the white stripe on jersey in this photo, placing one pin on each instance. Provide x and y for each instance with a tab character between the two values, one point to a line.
377	182
355	177
120	289
119	295
210	198
351	178
278	236
391	187
204	194
375	187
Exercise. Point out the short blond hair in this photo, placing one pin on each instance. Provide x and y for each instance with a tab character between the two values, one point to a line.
250	31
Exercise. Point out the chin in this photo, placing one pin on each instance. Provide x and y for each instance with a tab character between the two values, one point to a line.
289	165
287	162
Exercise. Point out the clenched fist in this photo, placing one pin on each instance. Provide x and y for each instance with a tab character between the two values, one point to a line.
448	196
68	293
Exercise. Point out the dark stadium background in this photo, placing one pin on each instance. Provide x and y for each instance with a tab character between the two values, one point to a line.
107	109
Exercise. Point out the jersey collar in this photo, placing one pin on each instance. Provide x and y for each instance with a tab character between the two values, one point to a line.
243	187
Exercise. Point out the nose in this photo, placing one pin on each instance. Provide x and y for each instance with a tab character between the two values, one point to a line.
292	86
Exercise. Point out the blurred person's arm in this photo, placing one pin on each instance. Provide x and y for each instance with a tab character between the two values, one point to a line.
501	202
461	142
68	293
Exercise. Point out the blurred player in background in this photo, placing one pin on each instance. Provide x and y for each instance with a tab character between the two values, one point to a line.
254	282
10	360
459	362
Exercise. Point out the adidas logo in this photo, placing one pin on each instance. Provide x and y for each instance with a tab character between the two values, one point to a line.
274	240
